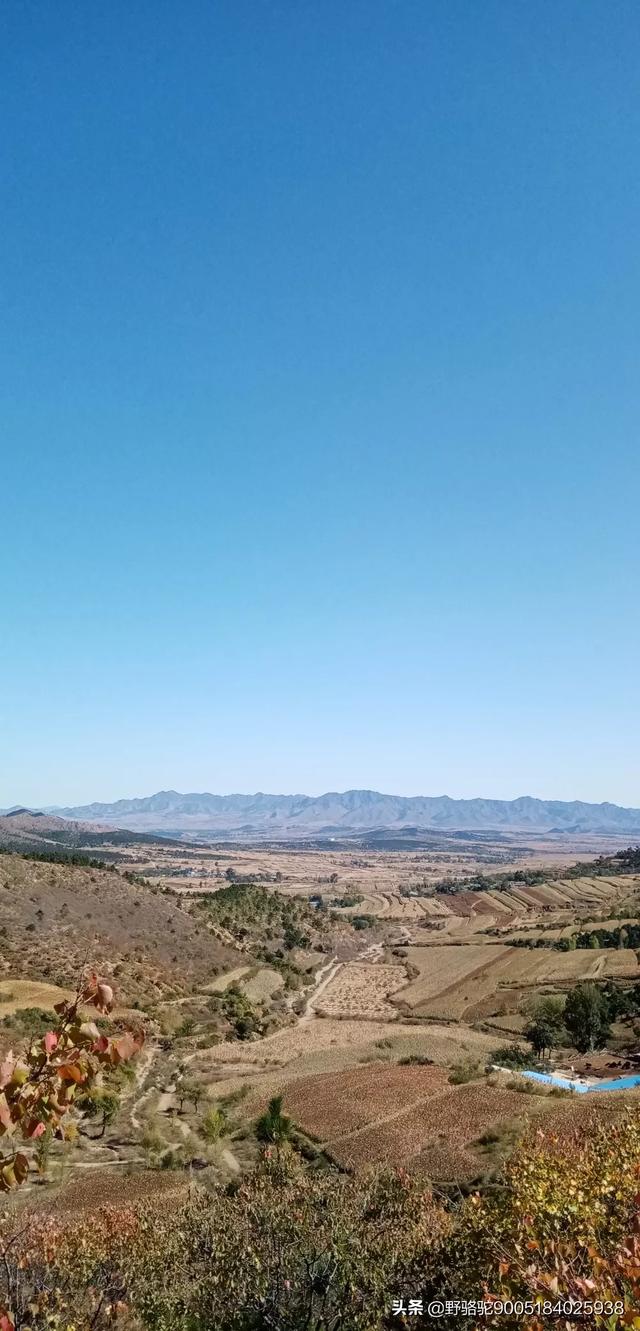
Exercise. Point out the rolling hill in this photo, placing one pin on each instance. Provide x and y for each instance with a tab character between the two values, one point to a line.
56	918
38	832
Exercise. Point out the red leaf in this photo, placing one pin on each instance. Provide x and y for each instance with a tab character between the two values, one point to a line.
126	1046
50	1041
70	1072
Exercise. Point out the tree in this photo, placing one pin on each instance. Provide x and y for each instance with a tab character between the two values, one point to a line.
41	1096
586	1017
563	1224
542	1036
214	1124
288	1249
545	1031
44	1087
274	1126
102	1104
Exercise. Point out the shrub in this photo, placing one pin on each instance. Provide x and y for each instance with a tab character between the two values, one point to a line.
214	1124
510	1056
465	1071
274	1126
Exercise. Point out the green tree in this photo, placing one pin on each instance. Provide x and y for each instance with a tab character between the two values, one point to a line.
542	1036
586	1017
214	1124
102	1104
274	1126
545	1030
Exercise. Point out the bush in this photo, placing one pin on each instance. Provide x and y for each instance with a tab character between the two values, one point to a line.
463	1072
510	1056
274	1126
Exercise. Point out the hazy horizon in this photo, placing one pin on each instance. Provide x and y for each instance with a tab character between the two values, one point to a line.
320	399
53	805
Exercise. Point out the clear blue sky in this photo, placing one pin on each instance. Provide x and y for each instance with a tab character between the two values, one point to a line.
320	397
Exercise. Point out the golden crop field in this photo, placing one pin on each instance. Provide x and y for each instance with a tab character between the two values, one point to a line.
16	994
362	989
442	967
330	1106
436	1134
270	1066
469	982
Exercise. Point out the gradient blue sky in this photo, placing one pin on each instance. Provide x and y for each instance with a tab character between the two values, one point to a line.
320	397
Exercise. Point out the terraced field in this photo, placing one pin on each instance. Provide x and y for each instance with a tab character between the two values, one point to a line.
466	983
404	1114
330	1108
444	968
362	990
269	1067
464	913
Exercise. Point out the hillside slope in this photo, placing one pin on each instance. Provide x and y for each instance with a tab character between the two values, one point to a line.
55	918
25	830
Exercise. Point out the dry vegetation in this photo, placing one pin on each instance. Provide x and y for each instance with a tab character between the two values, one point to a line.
438	1134
468	983
330	1107
54	916
437	978
361	989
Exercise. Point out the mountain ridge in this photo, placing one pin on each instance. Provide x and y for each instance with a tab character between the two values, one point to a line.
352	810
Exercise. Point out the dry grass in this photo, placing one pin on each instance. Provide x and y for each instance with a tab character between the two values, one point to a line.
95	1188
263	985
436	1135
330	1047
362	990
222	982
330	1106
443	967
58	915
469	983
17	994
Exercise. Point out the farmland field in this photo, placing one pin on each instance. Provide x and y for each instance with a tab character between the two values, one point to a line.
361	989
17	994
442	967
464	983
360	1030
332	1106
404	1114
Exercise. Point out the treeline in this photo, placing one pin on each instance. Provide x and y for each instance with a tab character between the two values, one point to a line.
59	857
582	1019
621	936
605	866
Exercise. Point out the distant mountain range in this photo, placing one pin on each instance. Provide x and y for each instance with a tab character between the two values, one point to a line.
283	816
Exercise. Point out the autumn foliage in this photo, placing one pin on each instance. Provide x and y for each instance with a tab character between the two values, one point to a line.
291	1246
38	1090
41	1091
